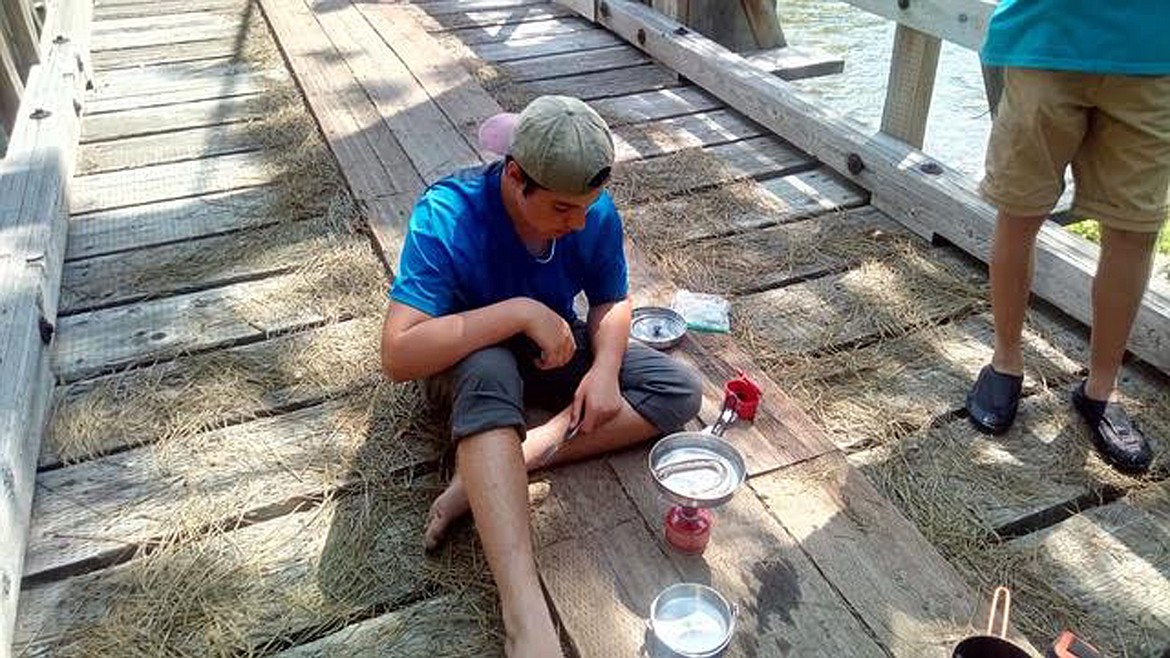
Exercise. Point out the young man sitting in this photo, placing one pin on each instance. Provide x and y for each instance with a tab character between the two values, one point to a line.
483	300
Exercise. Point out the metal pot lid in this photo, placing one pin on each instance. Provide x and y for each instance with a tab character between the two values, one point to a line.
655	324
697	468
692	619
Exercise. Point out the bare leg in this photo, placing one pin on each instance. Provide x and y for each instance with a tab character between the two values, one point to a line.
626	429
492	468
1011	283
1122	276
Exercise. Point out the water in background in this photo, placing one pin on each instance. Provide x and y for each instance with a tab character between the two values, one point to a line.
956	132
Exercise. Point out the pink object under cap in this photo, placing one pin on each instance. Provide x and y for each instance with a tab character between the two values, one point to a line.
495	134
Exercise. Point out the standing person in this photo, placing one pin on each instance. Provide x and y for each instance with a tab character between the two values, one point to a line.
1086	83
484	300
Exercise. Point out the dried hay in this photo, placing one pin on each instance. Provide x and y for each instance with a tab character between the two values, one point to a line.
671	223
178	399
659	178
511	95
208	588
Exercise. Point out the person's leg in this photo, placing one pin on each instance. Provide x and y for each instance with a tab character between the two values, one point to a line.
493	476
660	395
1040	124
1010	272
486	421
1123	272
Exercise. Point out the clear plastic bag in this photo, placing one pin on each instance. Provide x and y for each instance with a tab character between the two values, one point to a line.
703	311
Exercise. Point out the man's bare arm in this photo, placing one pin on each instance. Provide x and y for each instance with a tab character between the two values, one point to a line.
416	345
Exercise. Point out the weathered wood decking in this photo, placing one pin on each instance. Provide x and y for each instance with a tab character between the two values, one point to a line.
295	498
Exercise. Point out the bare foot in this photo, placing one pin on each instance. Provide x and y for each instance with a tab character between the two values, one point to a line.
447	508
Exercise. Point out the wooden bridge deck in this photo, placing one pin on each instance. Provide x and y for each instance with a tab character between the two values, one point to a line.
225	473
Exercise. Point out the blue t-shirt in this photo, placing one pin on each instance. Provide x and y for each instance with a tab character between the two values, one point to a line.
1093	36
462	253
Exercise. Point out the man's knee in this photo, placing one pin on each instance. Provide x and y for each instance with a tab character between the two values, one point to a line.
662	390
488	393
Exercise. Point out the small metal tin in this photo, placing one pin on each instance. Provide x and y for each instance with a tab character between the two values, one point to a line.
695	469
656	326
690	620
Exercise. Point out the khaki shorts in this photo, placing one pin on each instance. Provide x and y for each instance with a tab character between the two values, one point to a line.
1113	129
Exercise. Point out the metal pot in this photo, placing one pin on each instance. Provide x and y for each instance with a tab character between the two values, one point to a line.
991	645
658	327
689	620
697	469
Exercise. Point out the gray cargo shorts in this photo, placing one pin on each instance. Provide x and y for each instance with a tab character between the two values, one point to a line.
490	388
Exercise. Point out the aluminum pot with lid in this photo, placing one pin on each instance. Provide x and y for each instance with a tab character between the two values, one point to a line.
689	620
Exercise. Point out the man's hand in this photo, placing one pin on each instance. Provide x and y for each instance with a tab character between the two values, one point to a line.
551	334
597	401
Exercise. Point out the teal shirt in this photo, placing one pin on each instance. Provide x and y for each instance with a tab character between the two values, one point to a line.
1129	37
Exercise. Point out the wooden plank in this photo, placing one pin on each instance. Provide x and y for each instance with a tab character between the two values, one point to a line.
244	84
161	148
465	104
369	155
173	77
1039	471
732	208
161	21
913	65
908	186
547	28
104	340
163	36
104	12
21	32
175	180
34	181
153	272
657	178
590	86
587	9
895	289
439	7
773	257
795	62
644	140
573	63
893	579
188	51
575	502
490	18
134	227
602	587
909	382
449	623
1110	564
786	606
266	378
295	575
653	105
153	120
103	510
428	139
959	21
11	85
512	49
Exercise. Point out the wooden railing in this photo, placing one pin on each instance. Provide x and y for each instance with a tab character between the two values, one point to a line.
34	208
20	28
922	27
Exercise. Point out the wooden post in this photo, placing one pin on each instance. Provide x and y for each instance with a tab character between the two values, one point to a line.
743	26
34	212
22	30
912	70
11	82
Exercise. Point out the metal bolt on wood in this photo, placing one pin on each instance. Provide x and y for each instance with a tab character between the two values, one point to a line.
854	163
40	113
931	168
641	37
903	4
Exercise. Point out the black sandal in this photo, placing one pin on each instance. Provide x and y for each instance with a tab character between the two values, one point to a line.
1115	435
994	400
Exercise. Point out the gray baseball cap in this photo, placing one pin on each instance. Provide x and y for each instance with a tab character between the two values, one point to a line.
562	144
